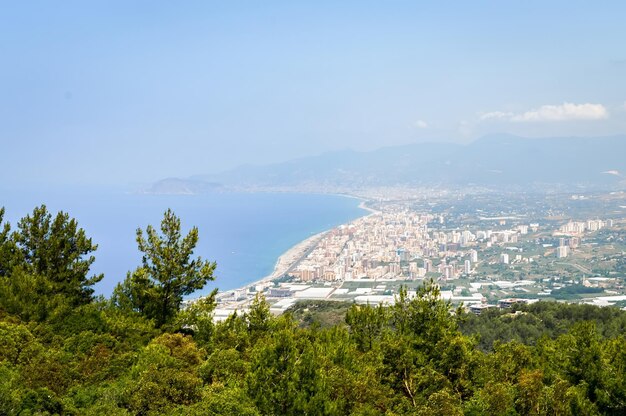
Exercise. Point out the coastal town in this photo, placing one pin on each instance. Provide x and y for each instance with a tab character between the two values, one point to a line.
479	260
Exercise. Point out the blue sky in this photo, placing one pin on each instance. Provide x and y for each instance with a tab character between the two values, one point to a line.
124	92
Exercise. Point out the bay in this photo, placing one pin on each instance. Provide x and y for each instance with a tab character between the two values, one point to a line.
244	233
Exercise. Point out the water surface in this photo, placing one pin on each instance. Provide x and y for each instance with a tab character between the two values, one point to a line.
243	232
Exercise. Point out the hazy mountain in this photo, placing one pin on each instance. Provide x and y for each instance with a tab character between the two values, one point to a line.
497	160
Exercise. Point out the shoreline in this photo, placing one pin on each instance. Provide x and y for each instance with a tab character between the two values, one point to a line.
287	260
371	211
291	258
293	255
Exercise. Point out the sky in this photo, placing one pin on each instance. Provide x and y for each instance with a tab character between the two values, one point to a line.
129	92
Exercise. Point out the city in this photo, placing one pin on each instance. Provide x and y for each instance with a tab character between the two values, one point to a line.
488	259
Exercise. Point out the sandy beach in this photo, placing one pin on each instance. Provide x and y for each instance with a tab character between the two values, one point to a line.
290	258
296	253
371	211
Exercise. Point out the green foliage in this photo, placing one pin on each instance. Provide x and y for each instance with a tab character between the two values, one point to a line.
538	320
274	382
224	366
571	292
7	248
218	400
30	297
58	250
366	324
424	316
258	317
168	272
163	377
322	313
410	358
136	293
44	266
198	318
493	399
11	392
94	356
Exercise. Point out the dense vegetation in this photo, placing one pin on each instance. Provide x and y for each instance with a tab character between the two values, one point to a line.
62	351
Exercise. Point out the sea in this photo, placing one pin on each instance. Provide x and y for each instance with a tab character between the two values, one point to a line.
244	233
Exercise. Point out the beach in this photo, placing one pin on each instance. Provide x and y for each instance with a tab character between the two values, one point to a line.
363	205
289	260
293	256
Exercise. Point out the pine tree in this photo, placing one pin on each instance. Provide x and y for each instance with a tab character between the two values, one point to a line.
58	250
7	250
168	271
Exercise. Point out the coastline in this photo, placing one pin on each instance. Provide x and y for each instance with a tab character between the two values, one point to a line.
295	254
285	262
292	256
371	211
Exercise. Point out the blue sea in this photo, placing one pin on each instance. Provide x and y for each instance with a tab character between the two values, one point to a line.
244	233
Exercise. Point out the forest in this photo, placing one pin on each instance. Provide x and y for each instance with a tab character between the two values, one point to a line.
65	351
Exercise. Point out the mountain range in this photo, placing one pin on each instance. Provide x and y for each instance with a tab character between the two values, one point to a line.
492	161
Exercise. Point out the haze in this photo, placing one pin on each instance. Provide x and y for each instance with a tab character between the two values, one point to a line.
120	92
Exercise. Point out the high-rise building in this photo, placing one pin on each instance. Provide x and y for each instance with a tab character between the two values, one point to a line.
468	267
504	258
562	251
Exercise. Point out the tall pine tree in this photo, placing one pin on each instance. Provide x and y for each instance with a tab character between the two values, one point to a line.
168	271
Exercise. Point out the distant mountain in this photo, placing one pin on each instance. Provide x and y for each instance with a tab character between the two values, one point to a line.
496	160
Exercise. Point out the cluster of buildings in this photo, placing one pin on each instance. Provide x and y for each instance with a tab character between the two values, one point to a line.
573	230
367	260
400	245
580	227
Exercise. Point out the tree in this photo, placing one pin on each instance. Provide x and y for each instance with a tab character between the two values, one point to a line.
29	296
198	318
168	271
273	381
259	315
5	246
164	376
366	324
58	250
